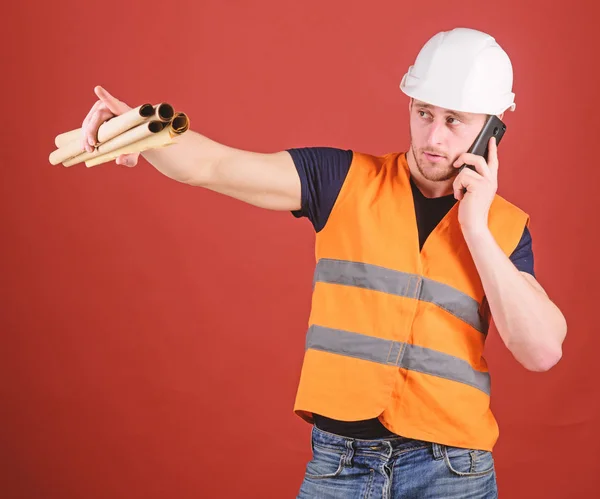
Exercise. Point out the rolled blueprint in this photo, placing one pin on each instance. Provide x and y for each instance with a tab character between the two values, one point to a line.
109	129
64	138
166	137
129	137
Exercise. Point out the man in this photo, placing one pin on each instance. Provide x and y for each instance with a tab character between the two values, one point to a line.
414	254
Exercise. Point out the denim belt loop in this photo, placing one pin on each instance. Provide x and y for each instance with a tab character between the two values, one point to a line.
438	452
389	447
349	454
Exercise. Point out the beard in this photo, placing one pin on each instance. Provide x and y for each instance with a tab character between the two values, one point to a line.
435	172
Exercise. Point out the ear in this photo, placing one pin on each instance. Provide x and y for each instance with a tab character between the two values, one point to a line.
410	103
501	116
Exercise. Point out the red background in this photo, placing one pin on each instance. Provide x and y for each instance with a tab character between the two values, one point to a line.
152	332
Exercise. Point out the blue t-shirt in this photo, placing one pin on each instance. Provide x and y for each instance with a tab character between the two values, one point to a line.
322	172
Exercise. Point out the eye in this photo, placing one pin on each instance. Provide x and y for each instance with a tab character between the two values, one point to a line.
456	121
422	113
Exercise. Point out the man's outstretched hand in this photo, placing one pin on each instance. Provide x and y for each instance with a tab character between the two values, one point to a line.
106	107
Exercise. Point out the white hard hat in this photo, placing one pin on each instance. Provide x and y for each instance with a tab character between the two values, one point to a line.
462	70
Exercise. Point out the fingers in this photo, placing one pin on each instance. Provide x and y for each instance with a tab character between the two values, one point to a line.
87	118
465	180
458	194
84	141
128	159
105	108
476	161
113	104
90	132
97	115
492	159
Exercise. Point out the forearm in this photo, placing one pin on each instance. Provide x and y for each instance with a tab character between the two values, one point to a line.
531	326
266	180
191	159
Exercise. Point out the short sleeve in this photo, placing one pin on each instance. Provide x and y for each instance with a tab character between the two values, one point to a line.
322	172
522	256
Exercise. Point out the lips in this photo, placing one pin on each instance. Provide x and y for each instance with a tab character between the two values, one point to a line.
433	157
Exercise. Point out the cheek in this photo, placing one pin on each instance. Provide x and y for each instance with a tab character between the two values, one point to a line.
417	131
461	142
465	146
466	138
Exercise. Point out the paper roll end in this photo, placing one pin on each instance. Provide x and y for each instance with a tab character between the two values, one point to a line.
52	158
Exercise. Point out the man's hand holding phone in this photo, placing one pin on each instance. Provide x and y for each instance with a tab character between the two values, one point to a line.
476	189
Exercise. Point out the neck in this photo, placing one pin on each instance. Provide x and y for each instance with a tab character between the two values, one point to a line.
429	188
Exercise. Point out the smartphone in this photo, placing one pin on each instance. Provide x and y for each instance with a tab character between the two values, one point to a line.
493	127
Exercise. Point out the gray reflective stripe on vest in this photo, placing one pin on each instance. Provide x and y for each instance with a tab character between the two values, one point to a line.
367	276
404	355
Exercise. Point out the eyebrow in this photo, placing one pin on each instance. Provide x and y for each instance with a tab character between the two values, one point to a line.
458	114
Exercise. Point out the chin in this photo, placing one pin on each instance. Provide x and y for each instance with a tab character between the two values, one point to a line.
436	173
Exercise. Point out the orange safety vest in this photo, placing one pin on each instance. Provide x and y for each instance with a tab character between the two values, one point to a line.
395	332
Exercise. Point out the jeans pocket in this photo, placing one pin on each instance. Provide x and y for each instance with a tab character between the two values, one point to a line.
468	462
326	463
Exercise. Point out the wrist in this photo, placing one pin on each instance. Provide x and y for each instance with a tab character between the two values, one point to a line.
476	233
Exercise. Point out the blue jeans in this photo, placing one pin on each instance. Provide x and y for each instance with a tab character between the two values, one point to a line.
396	468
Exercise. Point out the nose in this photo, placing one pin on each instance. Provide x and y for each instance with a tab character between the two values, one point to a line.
435	137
